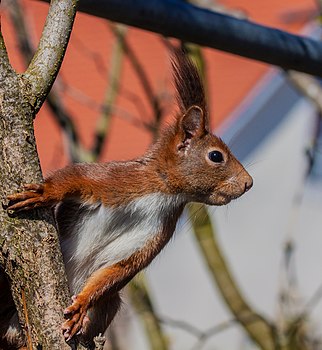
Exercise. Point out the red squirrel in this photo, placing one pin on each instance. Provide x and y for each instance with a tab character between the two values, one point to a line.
114	218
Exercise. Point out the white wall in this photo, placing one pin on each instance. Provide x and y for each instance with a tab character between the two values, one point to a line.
252	231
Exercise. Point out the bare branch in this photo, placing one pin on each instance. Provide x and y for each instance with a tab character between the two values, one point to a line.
307	86
112	91
46	62
16	15
255	325
143	304
119	112
61	115
145	83
319	4
259	329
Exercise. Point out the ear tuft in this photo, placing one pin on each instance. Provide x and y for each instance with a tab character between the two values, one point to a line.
187	82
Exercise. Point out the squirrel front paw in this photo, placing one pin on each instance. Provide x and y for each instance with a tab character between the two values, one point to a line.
31	198
76	317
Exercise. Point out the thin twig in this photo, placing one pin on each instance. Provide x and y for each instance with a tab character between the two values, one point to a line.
99	342
212	332
292	319
85	49
64	119
142	302
257	327
189	328
111	93
117	111
312	302
145	83
135	100
307	86
21	29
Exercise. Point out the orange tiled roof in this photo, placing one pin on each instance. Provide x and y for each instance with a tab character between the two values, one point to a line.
86	64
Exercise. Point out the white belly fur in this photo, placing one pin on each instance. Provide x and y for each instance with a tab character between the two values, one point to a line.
105	236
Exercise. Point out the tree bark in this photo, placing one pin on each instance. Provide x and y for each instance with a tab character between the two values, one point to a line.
30	251
29	248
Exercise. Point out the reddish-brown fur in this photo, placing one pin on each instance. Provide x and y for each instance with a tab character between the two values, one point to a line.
178	165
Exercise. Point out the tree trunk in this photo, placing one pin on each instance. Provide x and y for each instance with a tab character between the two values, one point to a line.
29	248
30	251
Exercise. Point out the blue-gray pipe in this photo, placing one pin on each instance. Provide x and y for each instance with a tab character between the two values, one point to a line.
179	19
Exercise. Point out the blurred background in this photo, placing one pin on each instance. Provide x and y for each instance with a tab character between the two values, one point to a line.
114	93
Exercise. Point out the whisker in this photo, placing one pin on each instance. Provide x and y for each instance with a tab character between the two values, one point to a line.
190	218
252	163
186	219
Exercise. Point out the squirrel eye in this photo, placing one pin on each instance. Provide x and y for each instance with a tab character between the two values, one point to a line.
216	156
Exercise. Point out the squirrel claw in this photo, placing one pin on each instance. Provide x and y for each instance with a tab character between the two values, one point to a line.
24	203
73	327
31	198
76	318
39	188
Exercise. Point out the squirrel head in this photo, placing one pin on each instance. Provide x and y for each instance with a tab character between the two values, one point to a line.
191	160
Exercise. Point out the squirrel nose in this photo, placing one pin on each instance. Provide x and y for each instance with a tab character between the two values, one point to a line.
248	184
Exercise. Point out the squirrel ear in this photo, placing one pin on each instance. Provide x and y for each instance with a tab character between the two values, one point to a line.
193	123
